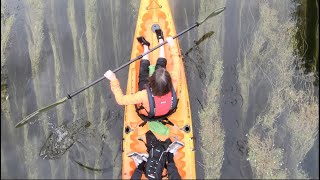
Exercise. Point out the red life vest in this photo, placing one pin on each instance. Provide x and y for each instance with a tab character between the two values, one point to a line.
162	104
160	107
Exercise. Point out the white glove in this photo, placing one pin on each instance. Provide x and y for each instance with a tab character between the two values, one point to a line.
170	41
110	75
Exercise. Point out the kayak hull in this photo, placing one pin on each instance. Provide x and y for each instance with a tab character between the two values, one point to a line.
158	12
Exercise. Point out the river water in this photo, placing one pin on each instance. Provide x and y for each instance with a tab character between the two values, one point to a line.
52	48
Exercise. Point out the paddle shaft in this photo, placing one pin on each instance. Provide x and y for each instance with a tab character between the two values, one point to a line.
131	61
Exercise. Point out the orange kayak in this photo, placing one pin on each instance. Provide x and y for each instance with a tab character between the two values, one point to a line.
158	12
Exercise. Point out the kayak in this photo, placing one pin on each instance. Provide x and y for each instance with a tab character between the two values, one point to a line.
158	12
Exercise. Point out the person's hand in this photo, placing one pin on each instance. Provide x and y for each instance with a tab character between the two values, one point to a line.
138	158
170	41
110	75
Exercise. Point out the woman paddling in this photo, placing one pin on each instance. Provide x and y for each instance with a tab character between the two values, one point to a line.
156	98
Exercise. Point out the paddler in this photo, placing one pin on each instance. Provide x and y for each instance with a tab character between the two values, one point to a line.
160	155
156	98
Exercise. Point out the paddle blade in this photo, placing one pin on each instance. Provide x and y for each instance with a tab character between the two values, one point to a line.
214	13
27	118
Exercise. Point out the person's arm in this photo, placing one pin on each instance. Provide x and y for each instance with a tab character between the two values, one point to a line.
174	53
173	172
126	99
117	91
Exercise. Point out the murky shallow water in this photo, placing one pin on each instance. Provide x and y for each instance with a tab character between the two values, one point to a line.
56	47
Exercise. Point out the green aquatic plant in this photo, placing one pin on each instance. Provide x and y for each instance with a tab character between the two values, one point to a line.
7	22
35	33
212	133
266	160
57	70
303	126
278	141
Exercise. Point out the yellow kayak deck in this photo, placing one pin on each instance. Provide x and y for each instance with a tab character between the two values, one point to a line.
158	12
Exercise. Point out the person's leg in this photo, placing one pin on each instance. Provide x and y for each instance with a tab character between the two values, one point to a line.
173	172
145	49
161	62
144	69
161	51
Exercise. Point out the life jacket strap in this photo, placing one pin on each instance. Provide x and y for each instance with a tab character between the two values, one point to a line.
151	114
166	121
163	121
152	105
143	123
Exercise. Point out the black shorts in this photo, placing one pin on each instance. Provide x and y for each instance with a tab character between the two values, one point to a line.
144	71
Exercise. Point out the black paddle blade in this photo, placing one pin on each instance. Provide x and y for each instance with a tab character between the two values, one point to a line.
214	13
27	118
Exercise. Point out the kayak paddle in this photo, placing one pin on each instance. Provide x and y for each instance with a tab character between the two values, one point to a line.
69	96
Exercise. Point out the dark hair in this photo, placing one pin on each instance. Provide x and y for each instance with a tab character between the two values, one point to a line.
160	82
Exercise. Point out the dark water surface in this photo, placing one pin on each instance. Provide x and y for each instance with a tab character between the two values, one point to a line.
55	47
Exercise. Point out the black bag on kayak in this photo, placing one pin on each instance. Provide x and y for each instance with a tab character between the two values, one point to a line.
157	156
